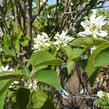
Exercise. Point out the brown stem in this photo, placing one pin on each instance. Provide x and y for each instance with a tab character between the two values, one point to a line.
30	23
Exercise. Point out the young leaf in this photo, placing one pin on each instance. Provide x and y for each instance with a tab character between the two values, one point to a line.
43	58
49	77
90	65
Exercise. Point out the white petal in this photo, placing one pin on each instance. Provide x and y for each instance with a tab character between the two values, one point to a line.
45	35
84	33
11	69
100	20
102	33
56	43
47	44
85	24
94	35
92	17
6	68
35	46
100	94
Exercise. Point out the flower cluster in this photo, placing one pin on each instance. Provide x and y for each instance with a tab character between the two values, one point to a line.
93	26
62	39
43	41
6	68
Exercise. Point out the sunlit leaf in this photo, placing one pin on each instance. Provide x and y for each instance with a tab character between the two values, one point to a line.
49	77
102	58
38	100
43	58
90	65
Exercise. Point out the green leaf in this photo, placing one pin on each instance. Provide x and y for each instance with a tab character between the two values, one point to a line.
43	58
68	50
10	52
4	76
102	58
73	53
25	70
70	64
90	65
93	77
38	100
87	42
24	41
4	84
7	40
2	100
49	77
76	52
22	97
87	1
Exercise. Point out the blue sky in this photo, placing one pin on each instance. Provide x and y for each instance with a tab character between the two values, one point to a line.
107	4
51	1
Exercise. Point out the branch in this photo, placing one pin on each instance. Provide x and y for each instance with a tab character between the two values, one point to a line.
41	8
30	23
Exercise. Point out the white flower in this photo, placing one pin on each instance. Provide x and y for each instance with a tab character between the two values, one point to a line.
41	41
100	94
62	39
93	26
6	68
